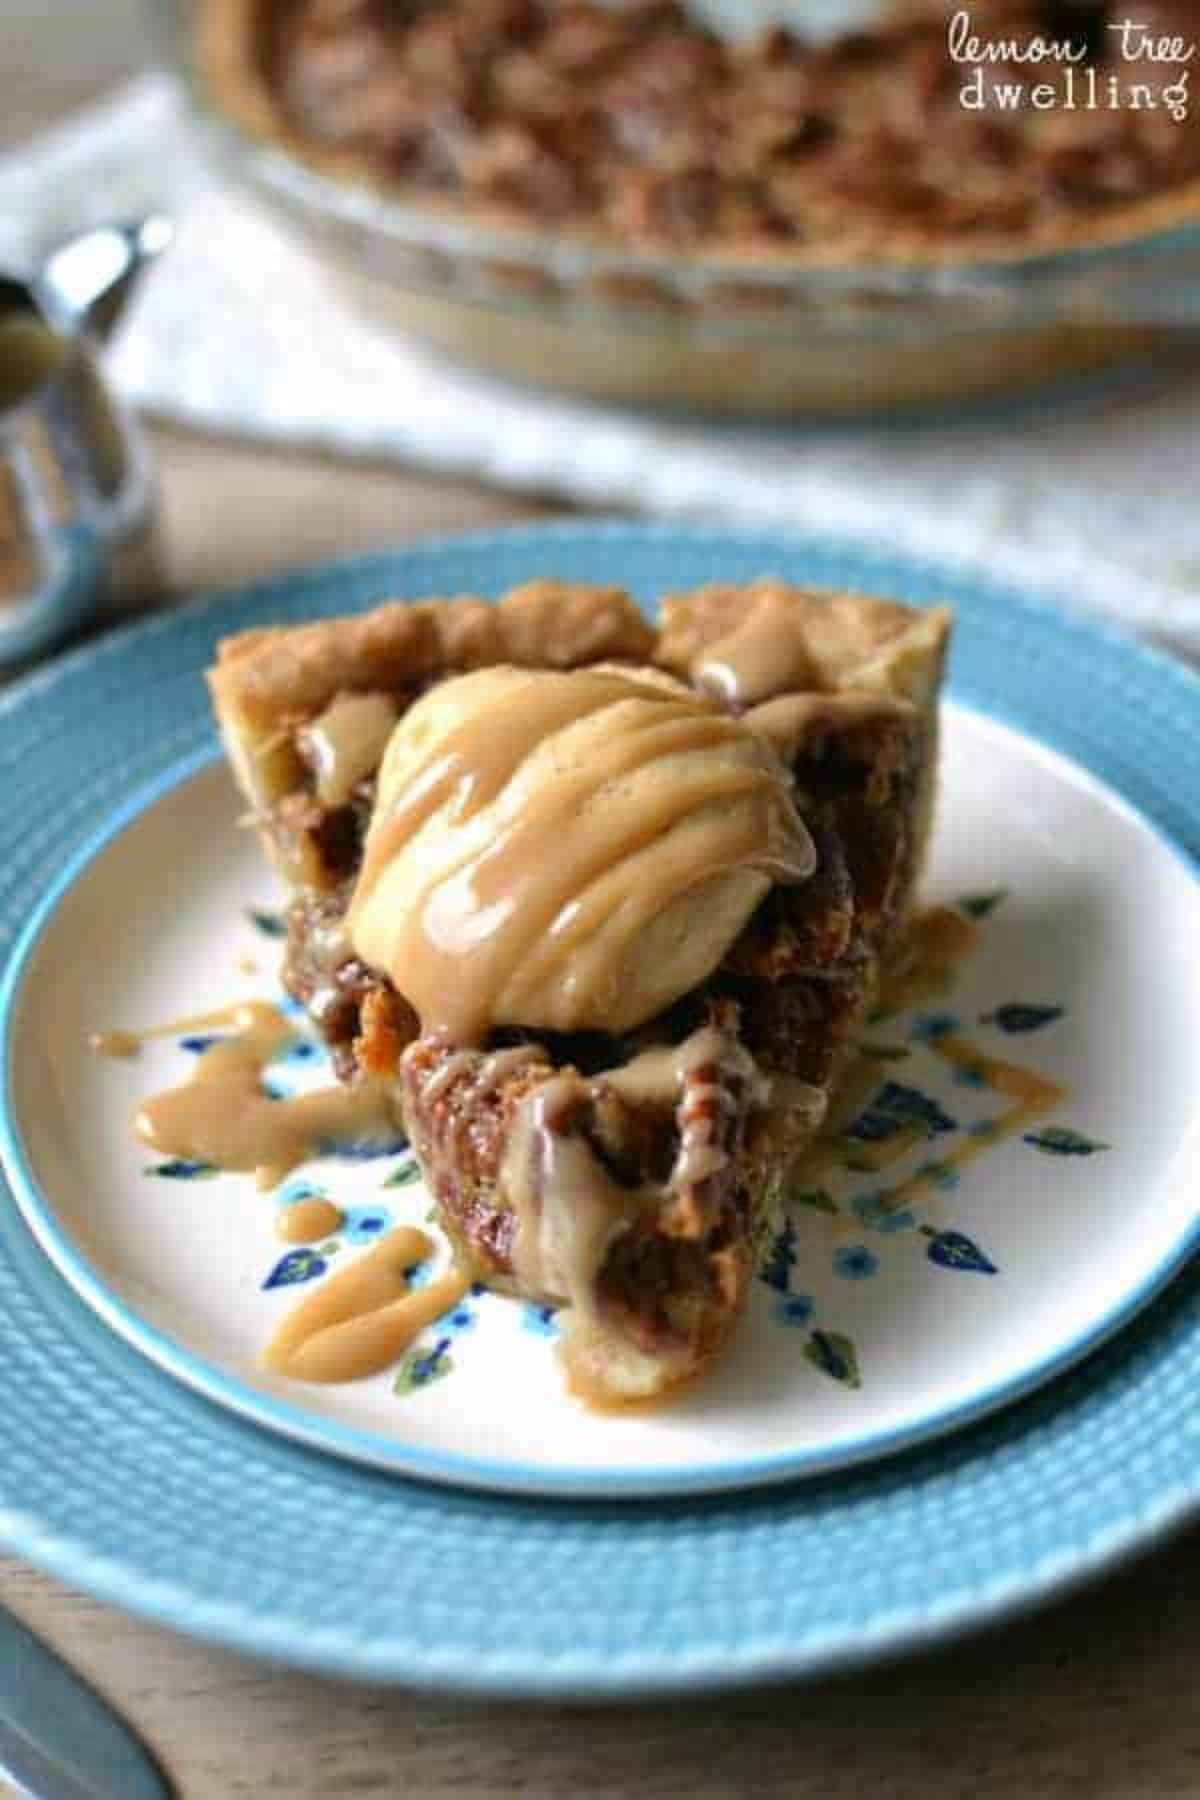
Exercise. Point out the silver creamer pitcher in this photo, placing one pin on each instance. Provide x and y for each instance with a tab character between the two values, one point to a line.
75	492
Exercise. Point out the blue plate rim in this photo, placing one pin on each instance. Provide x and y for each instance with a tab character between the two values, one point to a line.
375	1449
1147	1517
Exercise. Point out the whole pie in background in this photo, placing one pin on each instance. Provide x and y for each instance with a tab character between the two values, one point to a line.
634	125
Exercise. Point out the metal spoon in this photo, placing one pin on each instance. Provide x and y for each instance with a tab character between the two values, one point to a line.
58	1739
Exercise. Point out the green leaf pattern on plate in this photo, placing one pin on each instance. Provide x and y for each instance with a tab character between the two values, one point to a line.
404	1176
834	1354
420	1368
270	924
1018	1016
1060	1140
978	906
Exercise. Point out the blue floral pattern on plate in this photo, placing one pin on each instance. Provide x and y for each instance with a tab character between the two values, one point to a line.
854	1262
539	1321
366	1224
896	1117
431	1361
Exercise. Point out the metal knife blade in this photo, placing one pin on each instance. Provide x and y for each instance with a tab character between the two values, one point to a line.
58	1739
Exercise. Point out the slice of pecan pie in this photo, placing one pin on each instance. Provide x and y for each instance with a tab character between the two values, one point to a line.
602	905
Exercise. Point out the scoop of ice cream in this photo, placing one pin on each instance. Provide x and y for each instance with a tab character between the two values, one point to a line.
567	850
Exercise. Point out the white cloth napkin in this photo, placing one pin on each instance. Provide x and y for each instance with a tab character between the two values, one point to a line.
1093	499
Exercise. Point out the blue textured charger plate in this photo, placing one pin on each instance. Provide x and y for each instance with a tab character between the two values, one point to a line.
123	1482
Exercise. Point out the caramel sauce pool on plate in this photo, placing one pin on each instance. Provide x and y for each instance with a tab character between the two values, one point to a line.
223	1116
358	1322
308	1220
922	967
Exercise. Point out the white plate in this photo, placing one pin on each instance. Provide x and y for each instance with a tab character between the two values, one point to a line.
889	1330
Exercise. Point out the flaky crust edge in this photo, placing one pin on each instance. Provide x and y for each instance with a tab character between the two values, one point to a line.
266	682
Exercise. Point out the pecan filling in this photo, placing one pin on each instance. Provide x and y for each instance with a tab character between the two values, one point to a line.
635	123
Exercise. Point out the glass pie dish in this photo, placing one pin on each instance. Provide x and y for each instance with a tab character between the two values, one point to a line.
713	329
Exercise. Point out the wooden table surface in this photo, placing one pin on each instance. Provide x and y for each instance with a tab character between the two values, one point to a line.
1090	1698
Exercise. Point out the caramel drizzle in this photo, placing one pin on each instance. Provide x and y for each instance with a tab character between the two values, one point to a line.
922	968
358	1322
307	1220
924	961
222	1116
508	917
473	768
346	742
1033	1095
123	1044
569	1211
698	1068
765	655
568	1208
